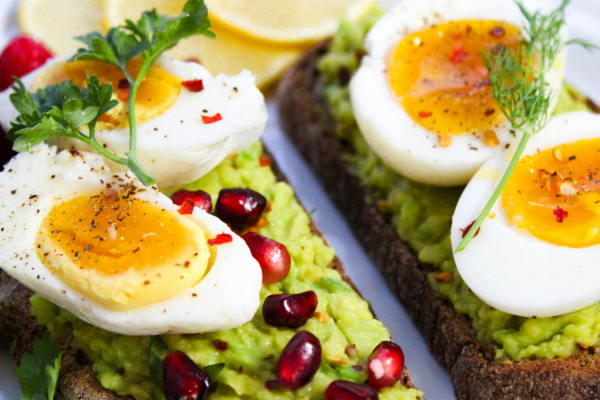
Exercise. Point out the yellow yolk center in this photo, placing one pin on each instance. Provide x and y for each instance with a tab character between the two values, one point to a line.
123	252
555	194
440	76
156	94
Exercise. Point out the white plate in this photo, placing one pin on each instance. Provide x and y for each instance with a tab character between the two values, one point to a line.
584	18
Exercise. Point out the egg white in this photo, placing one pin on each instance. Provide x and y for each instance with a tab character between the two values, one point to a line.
33	183
176	147
396	138
510	269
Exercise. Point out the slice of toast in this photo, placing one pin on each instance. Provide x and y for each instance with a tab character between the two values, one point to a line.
306	117
18	329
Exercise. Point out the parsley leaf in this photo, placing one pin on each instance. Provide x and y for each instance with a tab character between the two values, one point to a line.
149	38
38	373
61	110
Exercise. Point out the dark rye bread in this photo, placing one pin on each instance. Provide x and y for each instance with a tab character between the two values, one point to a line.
305	116
18	329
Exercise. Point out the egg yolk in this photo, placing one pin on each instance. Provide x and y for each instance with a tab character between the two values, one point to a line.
122	251
441	80
555	194
156	94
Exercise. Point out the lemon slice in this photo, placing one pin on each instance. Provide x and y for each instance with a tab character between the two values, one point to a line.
56	23
287	21
230	53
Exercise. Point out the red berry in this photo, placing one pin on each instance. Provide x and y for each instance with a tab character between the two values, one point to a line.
240	208
183	379
385	365
299	361
273	257
290	310
20	57
200	198
344	390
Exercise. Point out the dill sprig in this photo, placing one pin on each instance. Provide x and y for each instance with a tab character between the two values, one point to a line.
518	83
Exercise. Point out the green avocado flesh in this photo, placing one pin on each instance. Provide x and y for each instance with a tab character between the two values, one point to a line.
121	362
422	217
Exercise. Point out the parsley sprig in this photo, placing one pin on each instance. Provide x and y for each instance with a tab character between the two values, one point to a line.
61	110
518	82
38	373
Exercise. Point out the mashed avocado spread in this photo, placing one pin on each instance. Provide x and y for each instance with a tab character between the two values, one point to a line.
422	216
344	319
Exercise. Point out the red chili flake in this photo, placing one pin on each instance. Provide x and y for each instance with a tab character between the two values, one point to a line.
425	114
485	82
498	32
489	112
560	214
123	84
469	30
221	238
210	120
468	228
264	162
194	86
458	55
187	207
597	201
220	345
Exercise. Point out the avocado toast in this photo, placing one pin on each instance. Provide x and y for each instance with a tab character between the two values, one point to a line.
77	380
293	342
393	216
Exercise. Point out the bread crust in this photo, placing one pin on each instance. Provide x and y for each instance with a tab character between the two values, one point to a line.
306	117
18	329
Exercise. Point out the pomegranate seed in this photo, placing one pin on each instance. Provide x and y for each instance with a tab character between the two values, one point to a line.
290	310
385	365
344	390
187	207
299	361
240	208
200	198
23	55
194	86
221	238
184	380
211	120
273	257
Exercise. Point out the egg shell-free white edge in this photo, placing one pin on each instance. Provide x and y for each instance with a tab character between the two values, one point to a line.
402	144
227	297
510	269
176	147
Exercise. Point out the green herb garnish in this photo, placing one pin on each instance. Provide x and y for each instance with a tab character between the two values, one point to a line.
518	82
38	373
61	110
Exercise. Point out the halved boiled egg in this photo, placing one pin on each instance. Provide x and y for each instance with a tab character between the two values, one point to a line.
117	254
187	120
422	96
537	252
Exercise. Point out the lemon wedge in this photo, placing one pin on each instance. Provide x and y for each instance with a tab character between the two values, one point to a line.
56	23
230	53
286	21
